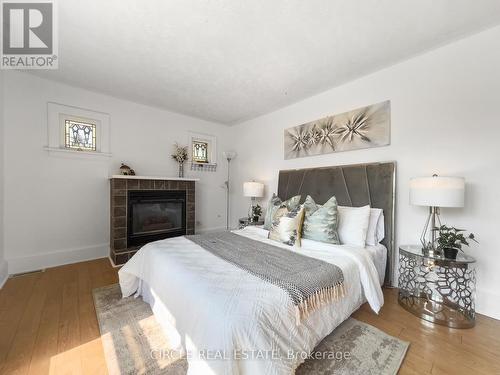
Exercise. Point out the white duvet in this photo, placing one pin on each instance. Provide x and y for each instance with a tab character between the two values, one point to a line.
230	322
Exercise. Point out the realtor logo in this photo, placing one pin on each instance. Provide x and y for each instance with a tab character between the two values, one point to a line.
29	39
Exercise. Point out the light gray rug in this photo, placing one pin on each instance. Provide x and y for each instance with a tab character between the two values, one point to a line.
129	331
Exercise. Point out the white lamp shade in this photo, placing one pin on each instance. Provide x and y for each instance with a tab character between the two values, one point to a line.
253	189
437	191
229	155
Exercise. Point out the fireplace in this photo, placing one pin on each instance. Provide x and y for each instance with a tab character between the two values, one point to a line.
155	215
145	209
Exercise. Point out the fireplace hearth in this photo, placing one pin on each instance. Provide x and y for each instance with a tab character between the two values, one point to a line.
146	209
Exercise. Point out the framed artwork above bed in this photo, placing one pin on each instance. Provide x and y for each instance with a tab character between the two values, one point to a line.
357	129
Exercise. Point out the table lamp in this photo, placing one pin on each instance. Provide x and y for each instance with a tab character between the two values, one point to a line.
435	192
253	190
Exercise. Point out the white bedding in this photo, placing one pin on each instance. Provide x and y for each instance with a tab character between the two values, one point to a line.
231	322
378	253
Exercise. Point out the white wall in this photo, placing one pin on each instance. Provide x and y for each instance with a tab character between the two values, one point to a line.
3	264
444	120
57	208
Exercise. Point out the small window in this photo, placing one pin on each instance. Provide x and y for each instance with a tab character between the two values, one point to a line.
80	136
200	151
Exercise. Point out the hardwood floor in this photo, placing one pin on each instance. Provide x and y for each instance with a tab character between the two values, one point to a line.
48	325
436	349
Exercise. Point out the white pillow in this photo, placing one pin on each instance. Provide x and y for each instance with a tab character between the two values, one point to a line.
353	225
376	228
381	228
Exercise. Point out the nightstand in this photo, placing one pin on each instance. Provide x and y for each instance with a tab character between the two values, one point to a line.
244	221
437	289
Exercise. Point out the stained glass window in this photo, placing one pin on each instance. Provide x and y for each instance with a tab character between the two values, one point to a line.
80	135
200	151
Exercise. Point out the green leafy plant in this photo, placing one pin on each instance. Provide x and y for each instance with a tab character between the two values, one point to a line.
453	238
256	211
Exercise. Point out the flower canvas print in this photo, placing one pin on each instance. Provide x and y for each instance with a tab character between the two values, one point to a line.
360	128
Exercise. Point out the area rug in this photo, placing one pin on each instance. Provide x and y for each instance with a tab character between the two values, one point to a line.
130	333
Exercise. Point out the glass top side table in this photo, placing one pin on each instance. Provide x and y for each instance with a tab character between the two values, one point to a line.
245	221
437	289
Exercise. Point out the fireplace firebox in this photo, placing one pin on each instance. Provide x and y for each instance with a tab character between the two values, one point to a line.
155	215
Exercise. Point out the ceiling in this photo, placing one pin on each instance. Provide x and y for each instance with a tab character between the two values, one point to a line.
232	60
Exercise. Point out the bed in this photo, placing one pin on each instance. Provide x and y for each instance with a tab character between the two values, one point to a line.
228	321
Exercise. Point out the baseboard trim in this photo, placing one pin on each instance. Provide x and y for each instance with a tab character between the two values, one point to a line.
113	263
4	273
56	258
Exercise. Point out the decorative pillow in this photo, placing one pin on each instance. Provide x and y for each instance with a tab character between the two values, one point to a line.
275	203
375	232
321	222
287	225
353	225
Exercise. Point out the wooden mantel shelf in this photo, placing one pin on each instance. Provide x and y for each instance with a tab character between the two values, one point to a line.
153	178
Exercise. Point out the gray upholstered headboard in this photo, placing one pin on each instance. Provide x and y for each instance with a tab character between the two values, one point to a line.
353	185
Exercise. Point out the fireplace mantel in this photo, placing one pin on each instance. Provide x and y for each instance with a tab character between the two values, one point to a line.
153	178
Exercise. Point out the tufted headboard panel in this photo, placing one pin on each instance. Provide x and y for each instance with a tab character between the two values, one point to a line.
353	185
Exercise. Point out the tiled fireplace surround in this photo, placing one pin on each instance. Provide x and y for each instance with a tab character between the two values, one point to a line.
120	252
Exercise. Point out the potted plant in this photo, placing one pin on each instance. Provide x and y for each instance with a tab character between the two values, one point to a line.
180	155
450	240
256	212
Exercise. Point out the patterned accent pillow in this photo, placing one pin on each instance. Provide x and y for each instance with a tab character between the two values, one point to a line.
287	225
275	203
321	222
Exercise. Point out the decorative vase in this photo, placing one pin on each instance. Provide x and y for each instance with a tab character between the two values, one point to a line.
255	219
181	170
450	253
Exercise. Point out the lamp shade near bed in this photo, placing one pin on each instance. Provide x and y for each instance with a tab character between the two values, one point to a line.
253	189
435	192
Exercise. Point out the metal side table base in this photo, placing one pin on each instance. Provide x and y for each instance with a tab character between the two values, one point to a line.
436	289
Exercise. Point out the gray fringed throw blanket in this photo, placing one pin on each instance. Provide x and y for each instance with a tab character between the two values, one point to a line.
309	282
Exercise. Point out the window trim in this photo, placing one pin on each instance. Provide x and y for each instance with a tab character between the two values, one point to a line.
212	147
57	114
